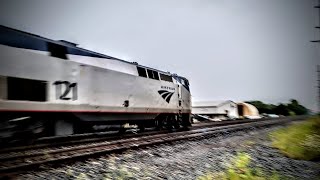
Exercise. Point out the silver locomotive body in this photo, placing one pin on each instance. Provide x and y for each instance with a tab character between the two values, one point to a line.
58	85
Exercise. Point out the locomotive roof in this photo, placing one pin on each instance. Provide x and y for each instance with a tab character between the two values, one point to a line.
21	39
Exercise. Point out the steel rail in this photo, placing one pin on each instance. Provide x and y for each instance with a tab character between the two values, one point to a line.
12	164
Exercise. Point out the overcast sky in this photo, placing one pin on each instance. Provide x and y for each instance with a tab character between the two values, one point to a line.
228	49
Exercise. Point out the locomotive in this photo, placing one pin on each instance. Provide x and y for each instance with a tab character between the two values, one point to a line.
54	88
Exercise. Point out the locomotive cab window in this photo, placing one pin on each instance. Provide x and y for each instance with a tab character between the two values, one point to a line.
182	82
142	72
165	77
156	75
26	89
153	74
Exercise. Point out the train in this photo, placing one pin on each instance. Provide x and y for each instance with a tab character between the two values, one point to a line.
55	88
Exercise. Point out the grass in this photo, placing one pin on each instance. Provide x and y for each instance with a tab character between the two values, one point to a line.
239	170
299	141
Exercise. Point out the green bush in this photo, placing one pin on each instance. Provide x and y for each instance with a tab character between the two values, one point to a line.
299	141
287	109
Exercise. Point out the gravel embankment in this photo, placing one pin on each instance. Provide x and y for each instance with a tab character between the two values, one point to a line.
185	160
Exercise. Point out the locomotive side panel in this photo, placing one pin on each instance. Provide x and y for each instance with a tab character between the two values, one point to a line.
113	88
73	86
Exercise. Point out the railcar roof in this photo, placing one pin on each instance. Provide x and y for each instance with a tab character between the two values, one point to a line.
21	39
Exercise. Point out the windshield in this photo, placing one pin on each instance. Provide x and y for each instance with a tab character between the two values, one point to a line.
182	81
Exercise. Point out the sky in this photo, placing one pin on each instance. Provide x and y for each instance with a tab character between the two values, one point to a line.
228	49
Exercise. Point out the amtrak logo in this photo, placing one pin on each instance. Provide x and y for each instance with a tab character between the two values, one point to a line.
166	95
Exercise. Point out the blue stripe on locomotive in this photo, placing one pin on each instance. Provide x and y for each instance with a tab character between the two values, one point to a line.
19	39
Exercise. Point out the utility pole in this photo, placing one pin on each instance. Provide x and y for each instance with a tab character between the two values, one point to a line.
318	70
317	6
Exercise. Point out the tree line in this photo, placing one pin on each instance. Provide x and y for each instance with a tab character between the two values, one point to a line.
287	109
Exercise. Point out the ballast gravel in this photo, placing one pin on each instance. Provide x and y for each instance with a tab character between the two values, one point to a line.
185	160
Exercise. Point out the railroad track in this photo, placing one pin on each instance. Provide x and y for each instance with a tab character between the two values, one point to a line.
25	160
47	142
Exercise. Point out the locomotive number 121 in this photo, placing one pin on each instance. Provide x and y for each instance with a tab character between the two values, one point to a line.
64	89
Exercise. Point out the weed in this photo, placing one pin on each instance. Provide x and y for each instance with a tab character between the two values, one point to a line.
299	141
239	170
